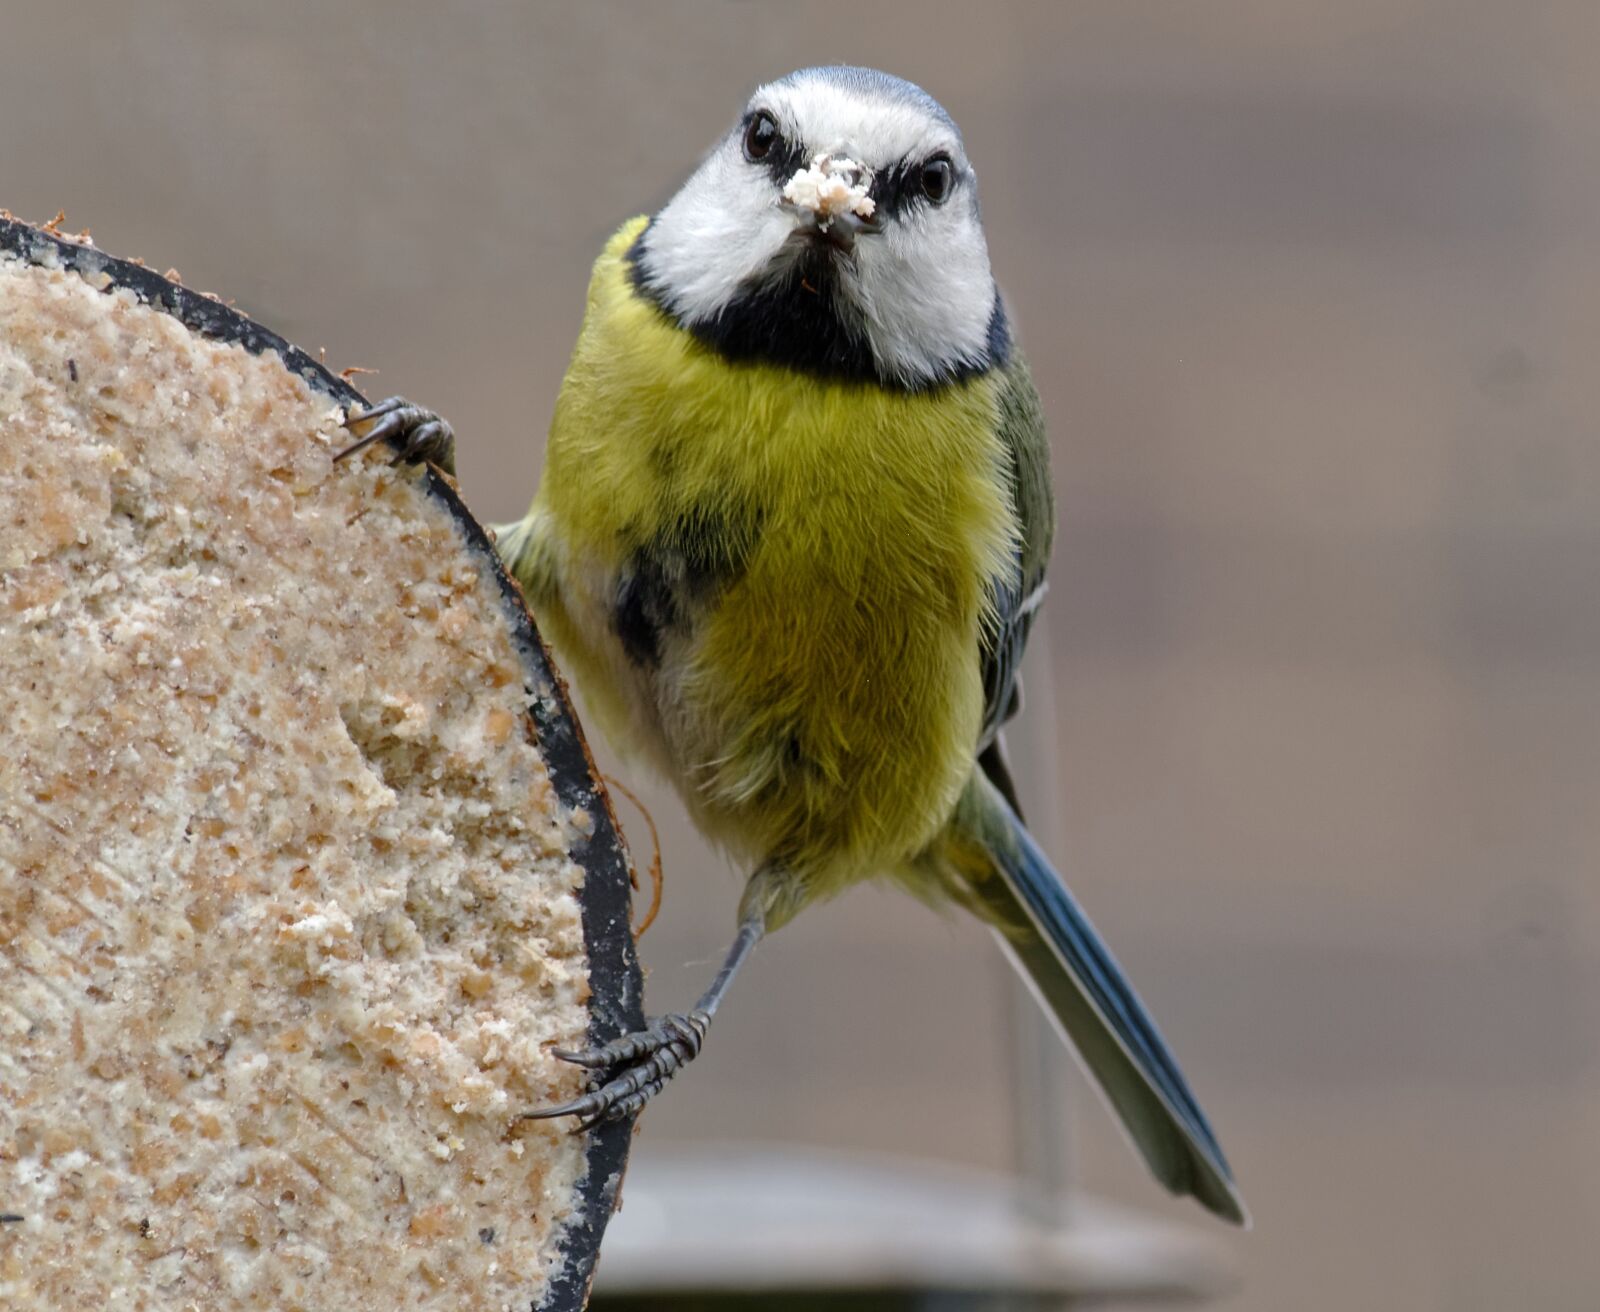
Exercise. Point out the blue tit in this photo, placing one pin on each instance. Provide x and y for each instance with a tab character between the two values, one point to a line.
790	537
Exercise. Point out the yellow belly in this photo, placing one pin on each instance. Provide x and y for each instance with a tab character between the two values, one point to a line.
773	585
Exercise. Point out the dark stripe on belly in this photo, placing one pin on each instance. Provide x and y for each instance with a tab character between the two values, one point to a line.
677	572
645	609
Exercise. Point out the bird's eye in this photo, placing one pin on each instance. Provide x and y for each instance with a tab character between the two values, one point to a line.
937	177
760	135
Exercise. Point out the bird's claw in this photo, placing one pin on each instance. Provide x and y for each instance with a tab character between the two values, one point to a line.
639	1066
417	433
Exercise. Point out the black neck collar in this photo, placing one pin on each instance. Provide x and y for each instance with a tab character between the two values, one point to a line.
798	321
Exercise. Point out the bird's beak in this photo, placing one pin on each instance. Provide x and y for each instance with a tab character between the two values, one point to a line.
840	229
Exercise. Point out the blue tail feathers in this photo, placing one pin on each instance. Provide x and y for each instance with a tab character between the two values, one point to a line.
1081	984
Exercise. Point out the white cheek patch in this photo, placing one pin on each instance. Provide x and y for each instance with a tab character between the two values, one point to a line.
927	293
723	228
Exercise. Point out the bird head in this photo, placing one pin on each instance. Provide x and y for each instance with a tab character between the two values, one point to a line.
834	229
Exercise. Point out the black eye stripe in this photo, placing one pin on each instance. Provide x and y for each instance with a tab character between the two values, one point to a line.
785	163
898	189
894	190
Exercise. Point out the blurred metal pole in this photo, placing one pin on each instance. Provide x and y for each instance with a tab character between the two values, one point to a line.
1040	1078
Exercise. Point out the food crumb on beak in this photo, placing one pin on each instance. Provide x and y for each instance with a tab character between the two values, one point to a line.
831	186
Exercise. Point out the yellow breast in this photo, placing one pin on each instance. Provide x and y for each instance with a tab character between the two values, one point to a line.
774	584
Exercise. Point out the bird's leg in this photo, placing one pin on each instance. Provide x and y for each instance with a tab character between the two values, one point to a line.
419	434
637	1066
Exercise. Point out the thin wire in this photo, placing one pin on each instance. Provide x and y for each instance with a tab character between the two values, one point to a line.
657	879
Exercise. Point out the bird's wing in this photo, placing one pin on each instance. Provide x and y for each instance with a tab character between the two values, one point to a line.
1016	599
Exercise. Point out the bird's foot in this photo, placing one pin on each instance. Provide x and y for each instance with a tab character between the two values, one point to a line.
418	434
633	1068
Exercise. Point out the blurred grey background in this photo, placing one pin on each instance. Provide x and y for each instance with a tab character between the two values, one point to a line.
1312	293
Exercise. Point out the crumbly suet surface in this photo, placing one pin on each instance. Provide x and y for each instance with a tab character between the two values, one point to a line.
288	910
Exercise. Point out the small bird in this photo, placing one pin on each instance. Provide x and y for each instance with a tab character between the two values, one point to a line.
789	541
